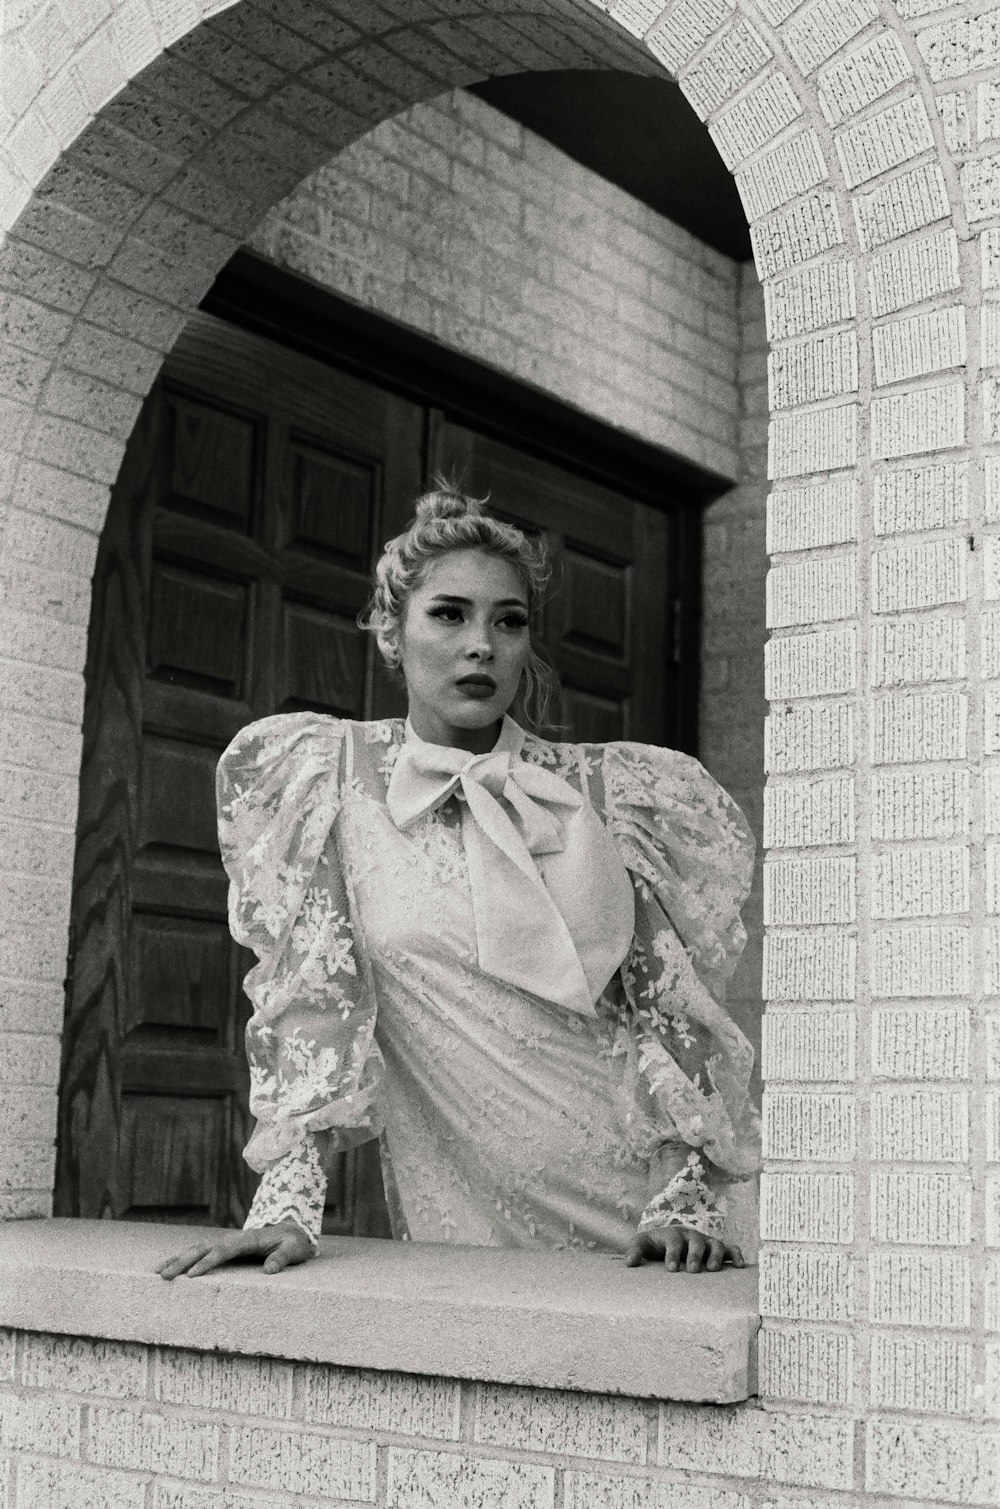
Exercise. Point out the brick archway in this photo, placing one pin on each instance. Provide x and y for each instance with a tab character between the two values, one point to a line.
872	196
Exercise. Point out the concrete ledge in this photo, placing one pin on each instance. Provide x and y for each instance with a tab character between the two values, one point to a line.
551	1319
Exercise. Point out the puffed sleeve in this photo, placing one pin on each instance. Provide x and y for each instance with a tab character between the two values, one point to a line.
690	853
315	1069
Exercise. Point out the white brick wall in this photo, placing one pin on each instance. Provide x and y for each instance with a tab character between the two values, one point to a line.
455	220
898	100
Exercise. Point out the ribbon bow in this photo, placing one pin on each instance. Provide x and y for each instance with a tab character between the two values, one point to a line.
552	900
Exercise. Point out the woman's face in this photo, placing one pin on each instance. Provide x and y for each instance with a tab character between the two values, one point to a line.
464	645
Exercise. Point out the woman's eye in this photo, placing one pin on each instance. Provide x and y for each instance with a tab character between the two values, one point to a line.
514	621
447	612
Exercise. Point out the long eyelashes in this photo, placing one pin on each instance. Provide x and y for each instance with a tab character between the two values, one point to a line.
454	615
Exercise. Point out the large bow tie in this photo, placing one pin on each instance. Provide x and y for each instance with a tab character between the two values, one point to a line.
552	900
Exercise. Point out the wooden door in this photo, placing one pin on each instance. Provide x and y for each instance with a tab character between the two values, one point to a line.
254	496
608	623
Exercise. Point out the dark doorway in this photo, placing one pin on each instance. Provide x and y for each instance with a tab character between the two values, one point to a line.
256	491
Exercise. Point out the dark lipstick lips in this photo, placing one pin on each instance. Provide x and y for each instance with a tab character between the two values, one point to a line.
476	681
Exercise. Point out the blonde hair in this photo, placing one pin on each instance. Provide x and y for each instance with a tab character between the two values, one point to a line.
447	519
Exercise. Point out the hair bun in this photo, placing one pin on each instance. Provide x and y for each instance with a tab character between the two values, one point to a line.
445	502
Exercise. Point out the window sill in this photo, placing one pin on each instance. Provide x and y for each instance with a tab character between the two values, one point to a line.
564	1320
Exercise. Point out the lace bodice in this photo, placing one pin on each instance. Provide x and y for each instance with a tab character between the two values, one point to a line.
504	1118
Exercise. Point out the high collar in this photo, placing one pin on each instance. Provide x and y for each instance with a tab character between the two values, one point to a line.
511	739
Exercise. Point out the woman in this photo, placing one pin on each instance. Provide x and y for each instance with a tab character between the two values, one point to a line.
502	955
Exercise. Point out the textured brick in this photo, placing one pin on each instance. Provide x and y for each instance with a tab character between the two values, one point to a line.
173	1495
928	1043
395	1402
811	1450
40	1424
919	576
884	140
807	1285
932	1209
807	1045
820	440
782	174
926	1126
920	804
989	246
799	891
991	718
930	419
809	1126
919	344
980	181
153	1442
811	665
29	1058
810	299
28	1114
931	726
302	1461
808	737
956	123
924	961
803	813
808	1365
687	27
807	1207
755	119
933	1460
921	1373
993	1291
813	591
108	1369
917	650
558	299
578	1425
918	270
922	497
920	1288
961	45
861	75
901	205
729	62
427	1479
57	1485
591	1490
823	366
992	1025
244	1385
809	966
802	518
992	1106
920	882
797	234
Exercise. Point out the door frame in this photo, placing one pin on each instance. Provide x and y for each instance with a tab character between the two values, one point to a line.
297	312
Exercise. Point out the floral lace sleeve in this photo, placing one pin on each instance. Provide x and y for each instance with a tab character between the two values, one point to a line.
314	1067
690	853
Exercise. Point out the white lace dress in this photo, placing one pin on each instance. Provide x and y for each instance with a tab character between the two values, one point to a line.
505	1119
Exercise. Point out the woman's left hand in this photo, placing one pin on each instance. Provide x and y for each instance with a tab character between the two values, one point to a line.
678	1247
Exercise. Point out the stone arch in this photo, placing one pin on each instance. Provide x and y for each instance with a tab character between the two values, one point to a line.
148	141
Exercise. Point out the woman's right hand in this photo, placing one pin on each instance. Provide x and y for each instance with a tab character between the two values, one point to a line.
281	1246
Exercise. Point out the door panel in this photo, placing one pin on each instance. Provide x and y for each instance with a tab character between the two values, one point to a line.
235	559
605	625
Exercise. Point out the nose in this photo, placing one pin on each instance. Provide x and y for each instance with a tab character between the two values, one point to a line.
479	643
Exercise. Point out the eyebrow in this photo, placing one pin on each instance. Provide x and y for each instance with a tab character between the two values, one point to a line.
466	602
